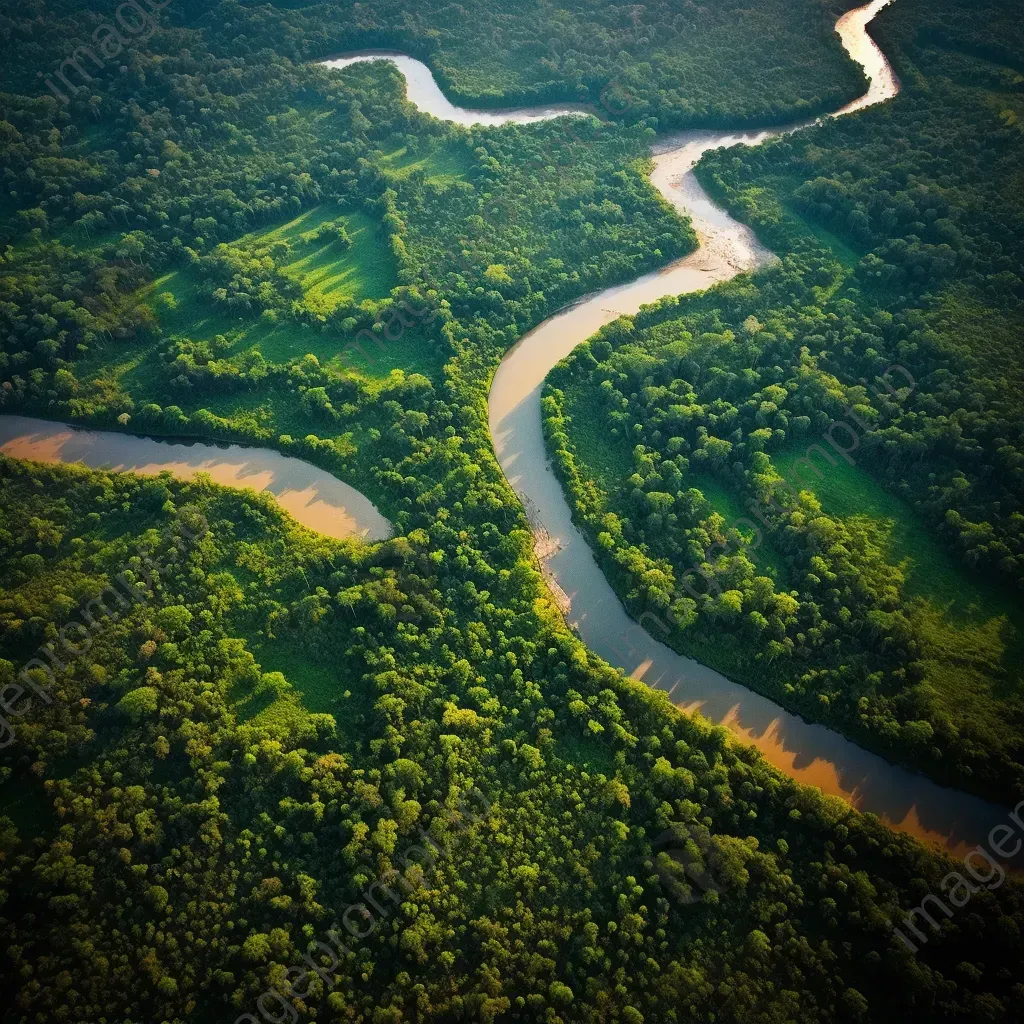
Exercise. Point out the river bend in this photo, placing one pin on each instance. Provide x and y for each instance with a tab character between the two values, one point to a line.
310	494
809	753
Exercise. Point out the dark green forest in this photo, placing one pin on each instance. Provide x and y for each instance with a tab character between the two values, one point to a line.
184	822
216	238
689	63
825	462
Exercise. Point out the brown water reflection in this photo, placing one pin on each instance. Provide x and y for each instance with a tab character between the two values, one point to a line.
311	495
809	753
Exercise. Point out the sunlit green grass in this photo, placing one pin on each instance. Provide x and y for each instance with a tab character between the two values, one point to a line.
445	163
317	677
972	630
327	271
608	460
416	350
776	191
931	571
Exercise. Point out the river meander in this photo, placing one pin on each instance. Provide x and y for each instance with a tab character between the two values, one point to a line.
806	752
310	494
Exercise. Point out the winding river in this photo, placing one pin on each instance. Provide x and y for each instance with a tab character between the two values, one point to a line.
312	496
808	753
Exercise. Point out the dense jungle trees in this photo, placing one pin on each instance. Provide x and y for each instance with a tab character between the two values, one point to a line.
887	342
684	64
275	719
181	830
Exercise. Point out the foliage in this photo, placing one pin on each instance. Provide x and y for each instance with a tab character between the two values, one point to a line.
197	804
197	848
774	388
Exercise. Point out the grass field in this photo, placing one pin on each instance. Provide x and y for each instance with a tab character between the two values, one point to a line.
273	704
326	271
774	195
726	504
608	460
193	316
320	683
973	632
931	571
316	678
445	163
846	254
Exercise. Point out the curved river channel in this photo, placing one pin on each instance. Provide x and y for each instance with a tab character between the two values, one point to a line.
311	495
808	753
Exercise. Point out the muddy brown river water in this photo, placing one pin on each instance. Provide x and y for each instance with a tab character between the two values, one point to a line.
808	753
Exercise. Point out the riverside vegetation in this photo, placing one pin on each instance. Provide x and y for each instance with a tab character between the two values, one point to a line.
872	583
189	247
239	757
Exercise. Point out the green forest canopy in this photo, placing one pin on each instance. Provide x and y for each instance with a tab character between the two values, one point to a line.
882	595
202	802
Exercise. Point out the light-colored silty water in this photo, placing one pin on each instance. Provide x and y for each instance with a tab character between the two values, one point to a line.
808	753
426	94
311	495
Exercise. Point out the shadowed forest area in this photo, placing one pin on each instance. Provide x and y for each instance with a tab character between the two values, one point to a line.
230	729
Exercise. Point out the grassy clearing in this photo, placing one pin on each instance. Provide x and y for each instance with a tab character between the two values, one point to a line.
586	752
931	572
773	196
415	351
273	702
320	682
328	272
444	164
973	633
317	678
28	810
726	504
844	253
280	710
608	460
194	316
183	309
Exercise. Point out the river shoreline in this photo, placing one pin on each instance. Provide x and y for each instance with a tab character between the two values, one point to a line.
312	496
807	752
